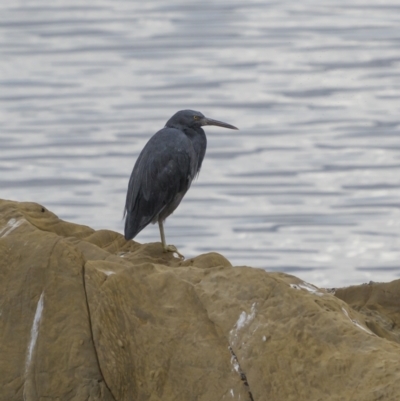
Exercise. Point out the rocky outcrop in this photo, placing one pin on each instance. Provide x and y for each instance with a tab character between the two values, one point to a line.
86	315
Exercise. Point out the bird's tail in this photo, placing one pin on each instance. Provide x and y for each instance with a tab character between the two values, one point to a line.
136	221
131	226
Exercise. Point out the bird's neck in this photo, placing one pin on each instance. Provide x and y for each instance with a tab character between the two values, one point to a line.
193	132
199	142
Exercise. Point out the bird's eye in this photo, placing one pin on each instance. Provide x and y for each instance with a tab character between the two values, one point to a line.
196	117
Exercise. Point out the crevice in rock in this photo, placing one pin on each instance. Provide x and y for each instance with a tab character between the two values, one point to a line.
238	369
234	359
91	332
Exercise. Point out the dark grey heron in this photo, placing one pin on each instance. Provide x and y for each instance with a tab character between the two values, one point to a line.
164	171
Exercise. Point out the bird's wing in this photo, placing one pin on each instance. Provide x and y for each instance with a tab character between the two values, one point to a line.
164	168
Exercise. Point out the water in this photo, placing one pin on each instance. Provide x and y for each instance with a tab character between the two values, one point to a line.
309	185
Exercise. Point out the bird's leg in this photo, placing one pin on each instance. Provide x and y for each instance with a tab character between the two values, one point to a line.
167	248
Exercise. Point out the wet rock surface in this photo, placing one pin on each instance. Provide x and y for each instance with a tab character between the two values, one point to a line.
86	315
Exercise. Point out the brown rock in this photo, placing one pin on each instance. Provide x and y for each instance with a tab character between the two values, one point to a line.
86	315
380	305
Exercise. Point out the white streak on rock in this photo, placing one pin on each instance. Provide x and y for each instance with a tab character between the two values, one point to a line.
308	287
356	323
34	332
243	321
107	272
232	393
10	226
235	364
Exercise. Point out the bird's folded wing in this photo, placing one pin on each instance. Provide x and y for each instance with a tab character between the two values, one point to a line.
163	170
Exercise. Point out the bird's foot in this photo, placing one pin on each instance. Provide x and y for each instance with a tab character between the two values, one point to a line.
172	248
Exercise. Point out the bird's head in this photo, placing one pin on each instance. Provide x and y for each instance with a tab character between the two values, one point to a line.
193	119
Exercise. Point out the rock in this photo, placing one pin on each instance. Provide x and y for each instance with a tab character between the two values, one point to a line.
379	303
86	315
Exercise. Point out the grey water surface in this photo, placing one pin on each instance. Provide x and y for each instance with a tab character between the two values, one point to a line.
310	184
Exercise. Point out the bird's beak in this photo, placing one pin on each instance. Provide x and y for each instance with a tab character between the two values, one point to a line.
209	121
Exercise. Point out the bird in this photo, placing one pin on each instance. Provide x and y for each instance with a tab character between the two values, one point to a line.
164	171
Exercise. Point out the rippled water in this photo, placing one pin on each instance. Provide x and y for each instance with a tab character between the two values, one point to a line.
309	185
